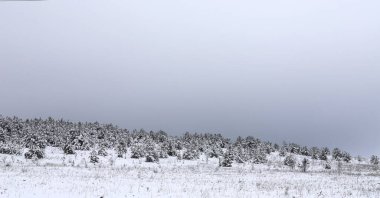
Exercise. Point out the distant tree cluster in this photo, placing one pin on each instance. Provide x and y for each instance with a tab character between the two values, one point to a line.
36	134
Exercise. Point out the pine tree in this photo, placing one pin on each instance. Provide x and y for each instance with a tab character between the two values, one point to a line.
346	157
121	149
68	149
102	151
336	154
151	153
259	156
374	160
323	154
137	151
314	152
94	157
227	159
190	154
304	165
305	151
2	135
290	161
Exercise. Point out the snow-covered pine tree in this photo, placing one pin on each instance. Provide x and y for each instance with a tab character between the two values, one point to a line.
259	156
276	147
323	154
346	157
374	160
121	149
305	151
240	154
327	166
137	150
294	148
290	161
282	152
336	154
152	154
227	159
2	135
36	147
304	164
102	151
94	157
171	149
190	153
68	149
326	150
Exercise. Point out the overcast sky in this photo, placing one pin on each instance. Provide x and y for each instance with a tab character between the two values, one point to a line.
300	71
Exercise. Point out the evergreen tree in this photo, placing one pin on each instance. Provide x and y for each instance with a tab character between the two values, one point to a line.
68	149
137	151
305	163
121	149
374	160
323	154
151	153
336	154
346	156
191	154
227	159
314	152
259	156
290	161
282	152
94	157
305	151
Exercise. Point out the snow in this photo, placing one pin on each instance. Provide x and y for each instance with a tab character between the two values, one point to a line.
60	175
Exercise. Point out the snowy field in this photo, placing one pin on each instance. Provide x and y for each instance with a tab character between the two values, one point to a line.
60	175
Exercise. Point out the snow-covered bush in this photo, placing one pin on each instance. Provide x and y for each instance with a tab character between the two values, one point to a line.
152	156
215	152
290	161
323	156
94	157
163	154
282	152
68	149
34	154
294	148
9	149
304	164
102	152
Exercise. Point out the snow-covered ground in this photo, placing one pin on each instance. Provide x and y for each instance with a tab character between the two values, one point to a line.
60	175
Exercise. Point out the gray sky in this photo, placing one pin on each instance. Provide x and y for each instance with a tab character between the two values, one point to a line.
295	70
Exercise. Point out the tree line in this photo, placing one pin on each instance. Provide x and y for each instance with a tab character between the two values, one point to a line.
36	134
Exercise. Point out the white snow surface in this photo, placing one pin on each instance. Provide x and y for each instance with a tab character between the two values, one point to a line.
59	175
